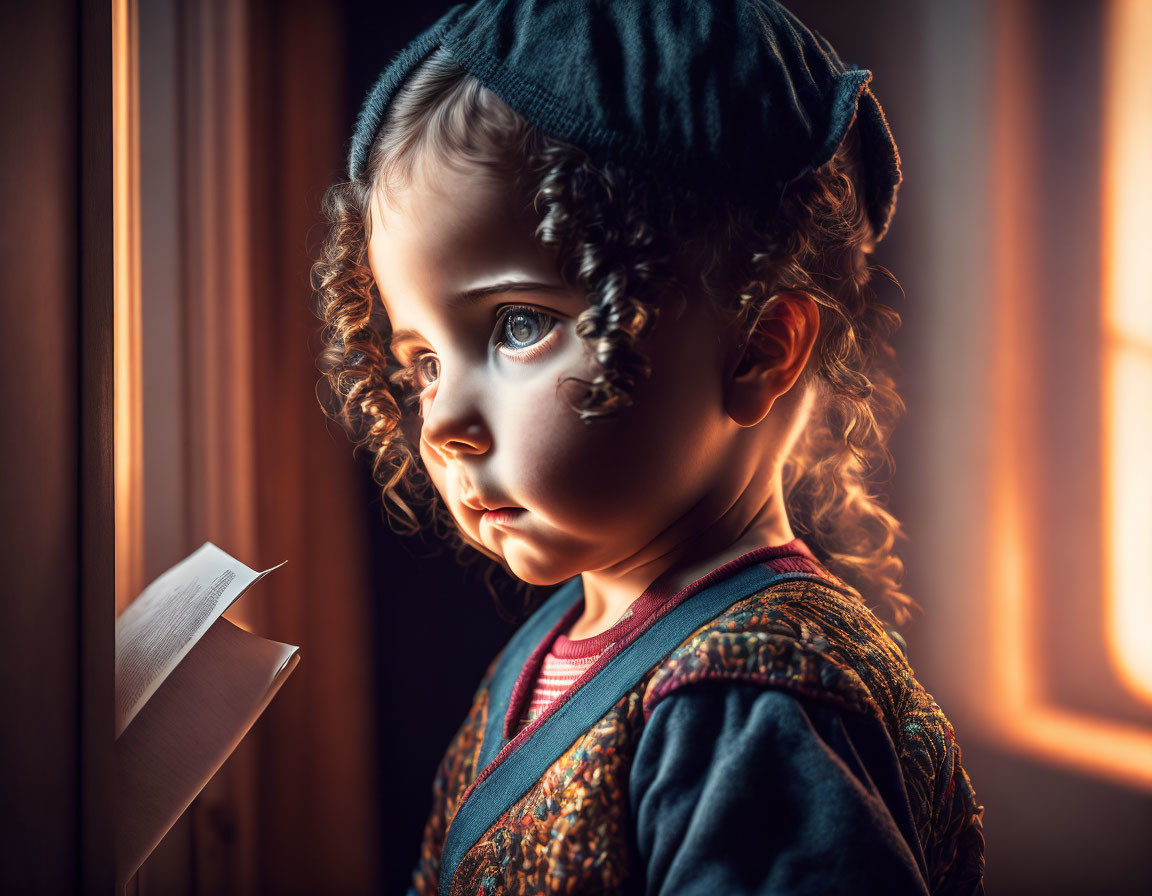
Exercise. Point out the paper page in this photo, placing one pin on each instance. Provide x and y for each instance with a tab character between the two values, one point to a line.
187	730
156	631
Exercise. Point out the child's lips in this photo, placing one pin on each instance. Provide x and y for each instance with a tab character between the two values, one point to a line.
502	516
493	511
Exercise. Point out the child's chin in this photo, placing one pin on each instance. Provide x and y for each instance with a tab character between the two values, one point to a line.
541	578
537	570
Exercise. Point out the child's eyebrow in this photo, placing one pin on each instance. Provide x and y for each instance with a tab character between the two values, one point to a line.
471	296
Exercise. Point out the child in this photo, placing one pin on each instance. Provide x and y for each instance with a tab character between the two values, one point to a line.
599	272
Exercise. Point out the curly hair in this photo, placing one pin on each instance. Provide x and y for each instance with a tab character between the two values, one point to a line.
622	238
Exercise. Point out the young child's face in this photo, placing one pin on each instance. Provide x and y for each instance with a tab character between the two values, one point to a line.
482	318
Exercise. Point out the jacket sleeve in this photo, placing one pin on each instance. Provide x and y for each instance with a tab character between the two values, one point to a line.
737	788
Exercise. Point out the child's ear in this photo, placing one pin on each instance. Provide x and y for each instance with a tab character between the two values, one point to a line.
767	364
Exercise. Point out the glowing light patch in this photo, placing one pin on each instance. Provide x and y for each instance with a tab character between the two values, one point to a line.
1127	346
1022	716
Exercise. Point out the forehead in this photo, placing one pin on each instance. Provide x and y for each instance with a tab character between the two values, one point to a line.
446	230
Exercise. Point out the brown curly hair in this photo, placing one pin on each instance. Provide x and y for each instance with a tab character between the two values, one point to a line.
629	242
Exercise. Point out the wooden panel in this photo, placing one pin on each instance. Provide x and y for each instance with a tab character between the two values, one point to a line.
96	606
38	551
55	507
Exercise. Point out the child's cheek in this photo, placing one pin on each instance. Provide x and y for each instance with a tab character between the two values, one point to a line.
638	469
436	467
561	467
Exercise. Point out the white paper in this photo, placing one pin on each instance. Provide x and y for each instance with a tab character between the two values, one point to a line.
185	732
159	628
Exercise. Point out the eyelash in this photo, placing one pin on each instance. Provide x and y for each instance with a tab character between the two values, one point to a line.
415	384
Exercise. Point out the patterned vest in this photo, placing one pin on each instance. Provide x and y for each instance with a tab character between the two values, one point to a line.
570	832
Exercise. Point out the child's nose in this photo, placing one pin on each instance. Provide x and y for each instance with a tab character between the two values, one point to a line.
474	440
453	422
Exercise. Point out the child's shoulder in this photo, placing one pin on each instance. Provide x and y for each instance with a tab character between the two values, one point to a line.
812	637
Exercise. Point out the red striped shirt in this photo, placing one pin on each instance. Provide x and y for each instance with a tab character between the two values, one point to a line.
568	659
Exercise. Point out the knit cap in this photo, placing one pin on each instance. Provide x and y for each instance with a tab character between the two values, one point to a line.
733	96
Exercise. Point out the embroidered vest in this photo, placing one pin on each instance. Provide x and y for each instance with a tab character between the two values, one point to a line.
569	833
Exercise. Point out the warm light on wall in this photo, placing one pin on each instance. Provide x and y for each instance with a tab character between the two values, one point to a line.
126	350
1127	343
1022	714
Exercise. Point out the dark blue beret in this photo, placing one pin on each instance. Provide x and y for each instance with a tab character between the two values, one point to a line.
736	96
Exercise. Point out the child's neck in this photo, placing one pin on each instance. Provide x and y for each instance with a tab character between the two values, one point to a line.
706	538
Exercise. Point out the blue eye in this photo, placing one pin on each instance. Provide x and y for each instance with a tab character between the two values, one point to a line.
425	371
523	327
